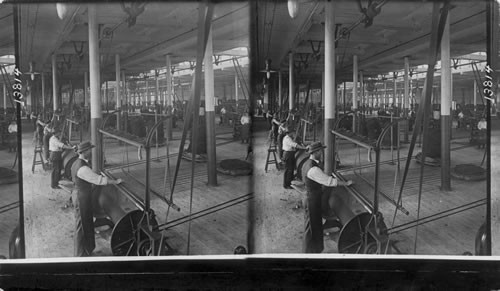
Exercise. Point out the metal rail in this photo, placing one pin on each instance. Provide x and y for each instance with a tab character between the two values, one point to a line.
400	207
132	197
156	193
353	140
437	216
367	204
205	211
124	139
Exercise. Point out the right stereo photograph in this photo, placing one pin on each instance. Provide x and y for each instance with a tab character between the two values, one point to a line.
372	123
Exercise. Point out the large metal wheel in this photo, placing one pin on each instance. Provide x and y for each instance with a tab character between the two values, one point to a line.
355	237
125	239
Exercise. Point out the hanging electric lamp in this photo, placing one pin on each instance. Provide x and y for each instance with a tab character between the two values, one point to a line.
62	10
293	8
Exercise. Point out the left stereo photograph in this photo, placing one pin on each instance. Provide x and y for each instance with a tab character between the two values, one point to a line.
135	128
9	167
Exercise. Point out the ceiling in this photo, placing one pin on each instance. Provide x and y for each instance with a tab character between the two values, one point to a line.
161	29
401	29
7	44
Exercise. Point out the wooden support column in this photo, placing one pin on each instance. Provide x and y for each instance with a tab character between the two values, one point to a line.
280	100
446	94
386	96
330	86
126	102
406	96
95	86
86	99
118	95
344	97
475	94
4	99
124	91
148	98
169	97
355	73
236	96
395	92
291	81
43	94
323	89
106	92
55	104
210	112
157	89
362	90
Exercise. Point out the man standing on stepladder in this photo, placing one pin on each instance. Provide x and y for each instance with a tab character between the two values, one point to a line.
314	179
84	178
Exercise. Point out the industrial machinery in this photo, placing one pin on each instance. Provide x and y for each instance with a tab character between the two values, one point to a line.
363	228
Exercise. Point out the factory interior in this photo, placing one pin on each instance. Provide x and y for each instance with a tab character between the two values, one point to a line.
183	103
122	76
368	80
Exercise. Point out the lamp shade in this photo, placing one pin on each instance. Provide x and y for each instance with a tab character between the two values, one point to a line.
293	8
62	10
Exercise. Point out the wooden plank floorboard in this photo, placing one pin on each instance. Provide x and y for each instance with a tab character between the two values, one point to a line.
450	235
215	233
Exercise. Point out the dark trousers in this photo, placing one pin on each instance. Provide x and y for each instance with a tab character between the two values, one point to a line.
56	159
280	144
84	238
313	226
46	145
289	158
12	141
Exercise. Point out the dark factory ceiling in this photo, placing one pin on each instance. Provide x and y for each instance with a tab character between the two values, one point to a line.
401	29
142	42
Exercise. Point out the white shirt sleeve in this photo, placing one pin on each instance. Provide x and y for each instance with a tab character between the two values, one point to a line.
86	173
317	175
289	144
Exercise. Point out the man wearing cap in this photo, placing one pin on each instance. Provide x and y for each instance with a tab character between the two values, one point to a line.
314	179
55	148
289	147
83	178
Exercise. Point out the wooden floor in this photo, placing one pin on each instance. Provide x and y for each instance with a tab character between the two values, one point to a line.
220	223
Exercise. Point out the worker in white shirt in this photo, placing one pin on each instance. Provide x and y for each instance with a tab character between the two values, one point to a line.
289	147
56	147
245	128
460	119
48	131
315	179
223	115
83	178
482	126
12	129
40	125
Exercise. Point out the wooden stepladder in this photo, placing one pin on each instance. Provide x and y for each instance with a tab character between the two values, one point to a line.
38	150
271	160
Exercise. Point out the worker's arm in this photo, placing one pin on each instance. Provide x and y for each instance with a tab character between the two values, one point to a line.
317	175
88	175
40	122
